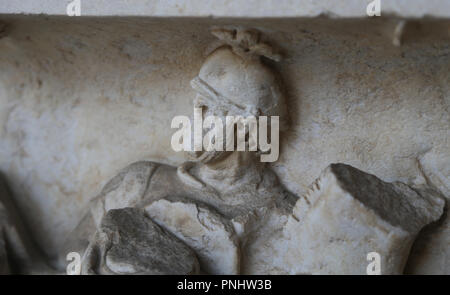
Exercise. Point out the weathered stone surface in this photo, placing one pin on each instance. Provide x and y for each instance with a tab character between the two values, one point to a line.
97	102
430	252
348	214
233	8
126	189
123	190
128	242
210	235
77	107
331	230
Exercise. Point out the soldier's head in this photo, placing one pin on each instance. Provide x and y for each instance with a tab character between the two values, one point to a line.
234	81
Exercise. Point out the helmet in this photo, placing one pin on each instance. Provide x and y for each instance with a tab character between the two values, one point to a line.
241	85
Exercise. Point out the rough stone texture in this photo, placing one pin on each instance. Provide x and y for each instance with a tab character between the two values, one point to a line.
348	214
125	190
229	217
128	242
210	235
232	8
430	253
80	100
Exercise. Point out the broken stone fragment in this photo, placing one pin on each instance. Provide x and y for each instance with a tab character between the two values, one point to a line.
430	253
126	189
128	242
348	214
210	235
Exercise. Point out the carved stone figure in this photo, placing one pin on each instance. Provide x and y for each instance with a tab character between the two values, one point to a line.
230	209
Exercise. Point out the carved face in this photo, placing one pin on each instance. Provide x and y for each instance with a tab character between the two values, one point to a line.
208	109
230	85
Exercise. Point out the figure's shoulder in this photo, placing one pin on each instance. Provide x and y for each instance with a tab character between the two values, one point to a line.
139	171
126	189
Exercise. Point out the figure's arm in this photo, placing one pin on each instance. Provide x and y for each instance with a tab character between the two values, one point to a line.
127	241
125	189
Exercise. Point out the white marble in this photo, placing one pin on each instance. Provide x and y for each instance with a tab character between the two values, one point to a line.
81	100
231	8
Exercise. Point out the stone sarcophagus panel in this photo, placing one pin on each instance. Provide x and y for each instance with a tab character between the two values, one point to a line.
86	110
